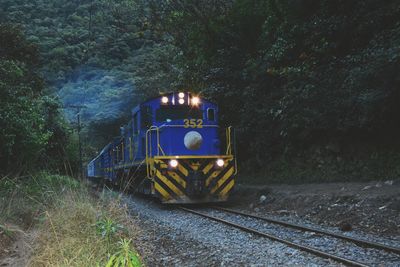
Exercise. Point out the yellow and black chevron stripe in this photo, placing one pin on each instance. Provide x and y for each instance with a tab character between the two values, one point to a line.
194	180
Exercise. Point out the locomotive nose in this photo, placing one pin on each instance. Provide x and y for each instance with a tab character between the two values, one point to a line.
193	140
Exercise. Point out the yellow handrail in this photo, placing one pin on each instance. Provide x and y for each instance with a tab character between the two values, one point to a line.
228	141
229	146
149	152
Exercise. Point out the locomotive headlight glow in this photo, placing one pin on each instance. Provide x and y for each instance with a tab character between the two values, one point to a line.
164	100
195	101
181	101
173	163
220	162
181	95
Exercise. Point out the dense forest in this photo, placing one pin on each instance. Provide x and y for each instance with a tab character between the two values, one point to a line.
33	130
312	87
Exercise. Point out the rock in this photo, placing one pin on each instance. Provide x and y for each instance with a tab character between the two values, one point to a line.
366	187
389	182
345	226
264	191
283	212
256	209
263	198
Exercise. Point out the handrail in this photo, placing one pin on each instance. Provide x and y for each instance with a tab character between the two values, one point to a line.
130	149
228	141
183	126
149	151
234	151
229	145
122	152
157	129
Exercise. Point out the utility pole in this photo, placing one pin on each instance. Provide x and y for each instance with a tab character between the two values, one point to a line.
79	127
79	107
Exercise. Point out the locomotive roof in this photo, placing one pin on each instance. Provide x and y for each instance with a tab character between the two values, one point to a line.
169	94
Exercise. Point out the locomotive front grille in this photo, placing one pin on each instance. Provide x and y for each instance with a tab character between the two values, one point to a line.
193	180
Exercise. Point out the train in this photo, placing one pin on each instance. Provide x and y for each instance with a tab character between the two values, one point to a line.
172	148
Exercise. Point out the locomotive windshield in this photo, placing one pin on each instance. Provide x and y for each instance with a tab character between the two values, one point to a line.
178	113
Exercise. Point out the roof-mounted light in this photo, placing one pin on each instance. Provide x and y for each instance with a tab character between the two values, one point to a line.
195	101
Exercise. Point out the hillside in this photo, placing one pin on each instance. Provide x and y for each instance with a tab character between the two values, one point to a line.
311	89
94	53
316	81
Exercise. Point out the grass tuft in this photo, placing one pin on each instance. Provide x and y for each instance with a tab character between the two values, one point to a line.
125	256
74	228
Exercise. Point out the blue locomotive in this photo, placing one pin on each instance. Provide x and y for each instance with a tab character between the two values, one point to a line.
172	148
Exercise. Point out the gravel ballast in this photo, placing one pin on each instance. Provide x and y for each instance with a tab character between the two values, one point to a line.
183	239
335	246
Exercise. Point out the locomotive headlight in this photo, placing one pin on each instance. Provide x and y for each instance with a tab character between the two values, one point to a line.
181	95
164	100
195	101
220	163
173	163
181	101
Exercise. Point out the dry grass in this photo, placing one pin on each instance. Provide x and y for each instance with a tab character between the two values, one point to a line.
69	237
65	217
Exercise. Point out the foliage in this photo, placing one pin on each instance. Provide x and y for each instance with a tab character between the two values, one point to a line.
6	231
292	75
65	217
125	256
31	124
101	51
27	196
107	228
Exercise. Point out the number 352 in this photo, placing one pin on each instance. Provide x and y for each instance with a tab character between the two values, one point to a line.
193	123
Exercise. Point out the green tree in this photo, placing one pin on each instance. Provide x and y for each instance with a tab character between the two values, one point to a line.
30	124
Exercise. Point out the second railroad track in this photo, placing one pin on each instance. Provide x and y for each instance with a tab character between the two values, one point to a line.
322	243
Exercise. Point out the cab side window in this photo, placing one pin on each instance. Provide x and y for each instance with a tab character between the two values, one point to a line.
135	124
147	117
211	114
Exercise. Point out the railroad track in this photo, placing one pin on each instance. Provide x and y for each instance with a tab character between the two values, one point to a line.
316	251
358	241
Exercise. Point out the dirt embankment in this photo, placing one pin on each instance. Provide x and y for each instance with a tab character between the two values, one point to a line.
15	246
5	243
372	207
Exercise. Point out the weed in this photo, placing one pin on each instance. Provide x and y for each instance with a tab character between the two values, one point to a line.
107	228
125	256
68	220
6	231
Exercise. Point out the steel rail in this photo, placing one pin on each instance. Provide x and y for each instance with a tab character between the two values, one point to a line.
275	238
358	241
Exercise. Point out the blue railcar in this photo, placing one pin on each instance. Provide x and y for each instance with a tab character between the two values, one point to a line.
172	148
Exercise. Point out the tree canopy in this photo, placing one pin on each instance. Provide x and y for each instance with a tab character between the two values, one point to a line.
31	126
295	77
